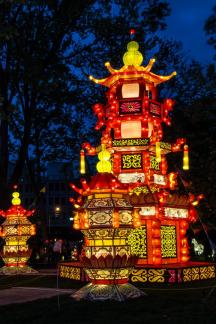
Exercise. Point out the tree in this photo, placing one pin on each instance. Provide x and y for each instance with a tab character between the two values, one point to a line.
34	37
210	29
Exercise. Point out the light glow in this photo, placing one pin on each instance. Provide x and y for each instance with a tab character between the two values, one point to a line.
131	129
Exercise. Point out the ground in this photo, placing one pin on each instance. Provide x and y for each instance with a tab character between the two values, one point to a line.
190	303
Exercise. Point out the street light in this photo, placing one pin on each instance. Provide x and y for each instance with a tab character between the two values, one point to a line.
57	210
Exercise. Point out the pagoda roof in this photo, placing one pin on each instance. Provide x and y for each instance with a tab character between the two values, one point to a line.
16	210
106	181
132	71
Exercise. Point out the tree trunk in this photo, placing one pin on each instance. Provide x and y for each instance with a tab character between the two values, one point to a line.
18	169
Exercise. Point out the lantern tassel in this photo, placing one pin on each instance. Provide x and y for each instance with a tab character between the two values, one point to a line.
82	162
185	158
158	152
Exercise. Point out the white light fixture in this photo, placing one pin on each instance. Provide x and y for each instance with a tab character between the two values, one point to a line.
131	129
130	90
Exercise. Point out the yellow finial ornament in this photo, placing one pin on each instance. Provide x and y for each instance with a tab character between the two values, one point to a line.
104	165
16	200
133	56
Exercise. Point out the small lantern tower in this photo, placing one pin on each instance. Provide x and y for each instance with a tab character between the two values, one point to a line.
106	219
16	230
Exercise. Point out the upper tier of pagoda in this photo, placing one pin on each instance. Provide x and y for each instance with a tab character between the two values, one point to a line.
132	69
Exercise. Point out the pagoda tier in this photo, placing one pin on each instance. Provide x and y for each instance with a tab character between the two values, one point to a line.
132	121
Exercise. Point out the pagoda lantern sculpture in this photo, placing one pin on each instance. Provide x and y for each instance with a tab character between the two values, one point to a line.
131	124
16	230
133	171
106	218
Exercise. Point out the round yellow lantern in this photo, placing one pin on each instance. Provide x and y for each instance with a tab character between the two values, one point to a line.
132	56
104	166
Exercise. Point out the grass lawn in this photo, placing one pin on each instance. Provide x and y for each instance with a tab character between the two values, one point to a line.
186	304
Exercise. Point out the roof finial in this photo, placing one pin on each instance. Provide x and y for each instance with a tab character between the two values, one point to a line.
132	56
132	33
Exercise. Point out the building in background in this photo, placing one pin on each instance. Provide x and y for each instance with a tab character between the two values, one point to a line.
54	212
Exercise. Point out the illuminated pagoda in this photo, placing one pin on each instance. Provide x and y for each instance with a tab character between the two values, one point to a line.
16	230
133	135
133	168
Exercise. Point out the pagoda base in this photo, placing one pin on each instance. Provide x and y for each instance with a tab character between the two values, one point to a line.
150	274
15	270
101	292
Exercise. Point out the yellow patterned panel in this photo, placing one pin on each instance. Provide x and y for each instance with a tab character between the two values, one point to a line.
125	217
150	275
104	202
195	274
25	230
207	272
138	243
69	272
187	274
140	275
168	241
107	242
131	161
100	217
156	275
154	164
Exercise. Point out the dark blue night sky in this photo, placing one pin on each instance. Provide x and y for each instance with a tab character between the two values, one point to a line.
186	24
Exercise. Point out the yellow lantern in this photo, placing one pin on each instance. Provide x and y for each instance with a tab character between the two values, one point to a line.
158	152
104	155
133	56
185	158
82	162
16	200
103	166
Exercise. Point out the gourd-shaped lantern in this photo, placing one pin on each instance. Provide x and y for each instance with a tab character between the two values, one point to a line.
16	230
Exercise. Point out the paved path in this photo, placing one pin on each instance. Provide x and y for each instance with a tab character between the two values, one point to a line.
25	294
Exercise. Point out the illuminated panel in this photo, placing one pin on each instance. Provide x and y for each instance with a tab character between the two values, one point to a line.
131	161
155	109
130	90
147	211
131	129
176	212
125	217
137	241
168	242
154	164
159	179
131	142
100	217
131	177
166	146
130	107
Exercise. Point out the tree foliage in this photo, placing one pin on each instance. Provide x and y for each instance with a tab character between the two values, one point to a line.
210	29
34	75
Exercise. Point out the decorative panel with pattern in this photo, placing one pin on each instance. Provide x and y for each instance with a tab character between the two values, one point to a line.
131	161
130	107
100	217
168	241
138	242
